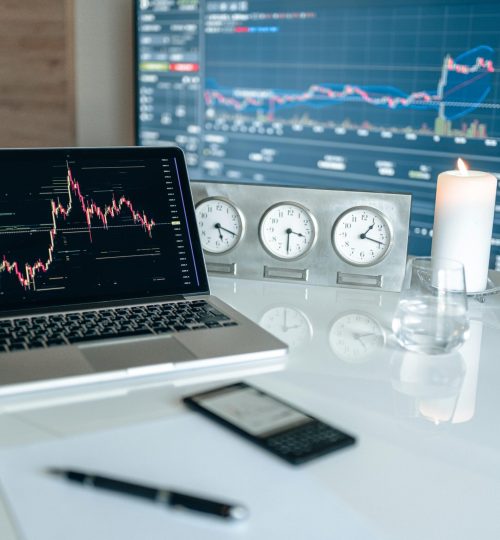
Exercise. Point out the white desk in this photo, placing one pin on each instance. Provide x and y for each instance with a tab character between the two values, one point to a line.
427	462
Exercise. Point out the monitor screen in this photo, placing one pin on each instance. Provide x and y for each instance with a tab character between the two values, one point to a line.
89	225
373	95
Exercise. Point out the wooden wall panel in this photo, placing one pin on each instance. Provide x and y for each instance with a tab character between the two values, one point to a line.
37	103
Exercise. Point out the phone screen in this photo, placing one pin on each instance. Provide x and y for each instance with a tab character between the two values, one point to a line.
251	410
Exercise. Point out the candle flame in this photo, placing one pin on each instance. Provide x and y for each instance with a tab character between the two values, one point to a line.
462	166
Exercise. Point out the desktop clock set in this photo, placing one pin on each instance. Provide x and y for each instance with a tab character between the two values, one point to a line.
316	236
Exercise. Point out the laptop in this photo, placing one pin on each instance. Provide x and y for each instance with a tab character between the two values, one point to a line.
102	273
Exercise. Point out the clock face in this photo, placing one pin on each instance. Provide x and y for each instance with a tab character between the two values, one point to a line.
287	231
354	336
362	236
288	324
220	225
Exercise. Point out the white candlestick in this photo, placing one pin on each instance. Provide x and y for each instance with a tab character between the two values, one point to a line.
463	222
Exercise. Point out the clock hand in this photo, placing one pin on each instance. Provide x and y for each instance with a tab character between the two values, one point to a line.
361	336
373	240
286	328
364	346
288	232
358	337
220	227
217	226
363	235
284	321
297	233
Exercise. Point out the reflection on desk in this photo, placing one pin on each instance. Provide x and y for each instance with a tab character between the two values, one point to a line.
347	333
287	323
354	336
440	388
427	462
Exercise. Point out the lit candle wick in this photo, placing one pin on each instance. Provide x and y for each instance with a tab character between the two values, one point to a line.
462	167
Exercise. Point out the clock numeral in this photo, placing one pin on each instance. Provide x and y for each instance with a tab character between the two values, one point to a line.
219	224
361	236
287	231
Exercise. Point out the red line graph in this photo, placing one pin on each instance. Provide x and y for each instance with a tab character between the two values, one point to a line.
481	66
91	210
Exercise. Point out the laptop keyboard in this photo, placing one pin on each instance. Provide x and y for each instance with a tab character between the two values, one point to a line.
112	323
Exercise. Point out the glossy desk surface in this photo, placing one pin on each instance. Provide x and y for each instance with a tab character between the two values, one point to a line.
426	466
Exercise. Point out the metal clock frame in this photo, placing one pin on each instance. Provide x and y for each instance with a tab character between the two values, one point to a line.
320	265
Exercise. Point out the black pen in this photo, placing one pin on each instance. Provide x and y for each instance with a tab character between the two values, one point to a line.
159	495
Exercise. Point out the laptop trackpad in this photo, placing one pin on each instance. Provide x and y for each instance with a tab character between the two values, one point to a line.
149	352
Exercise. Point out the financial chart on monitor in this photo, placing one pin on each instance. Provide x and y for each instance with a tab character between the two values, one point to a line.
79	229
377	95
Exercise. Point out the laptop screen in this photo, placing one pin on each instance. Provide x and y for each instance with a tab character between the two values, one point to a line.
87	225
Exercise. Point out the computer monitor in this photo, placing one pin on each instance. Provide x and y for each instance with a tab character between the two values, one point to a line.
356	94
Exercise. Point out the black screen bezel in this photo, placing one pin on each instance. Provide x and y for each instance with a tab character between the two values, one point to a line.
34	155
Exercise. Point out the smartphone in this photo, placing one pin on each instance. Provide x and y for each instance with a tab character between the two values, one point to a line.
271	423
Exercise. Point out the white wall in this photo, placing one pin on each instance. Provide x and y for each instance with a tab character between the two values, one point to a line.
103	72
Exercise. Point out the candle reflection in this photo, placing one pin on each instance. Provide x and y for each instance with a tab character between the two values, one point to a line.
432	382
441	388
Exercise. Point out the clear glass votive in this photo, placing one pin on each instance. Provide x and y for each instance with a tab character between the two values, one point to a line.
431	316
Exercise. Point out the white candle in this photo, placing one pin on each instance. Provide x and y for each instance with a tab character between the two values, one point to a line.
463	222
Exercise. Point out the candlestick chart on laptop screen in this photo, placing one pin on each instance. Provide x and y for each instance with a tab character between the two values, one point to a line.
370	95
85	226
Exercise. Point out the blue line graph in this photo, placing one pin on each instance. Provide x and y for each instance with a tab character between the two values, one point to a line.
463	85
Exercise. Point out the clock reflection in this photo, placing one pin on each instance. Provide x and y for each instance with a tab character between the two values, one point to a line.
288	324
354	336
